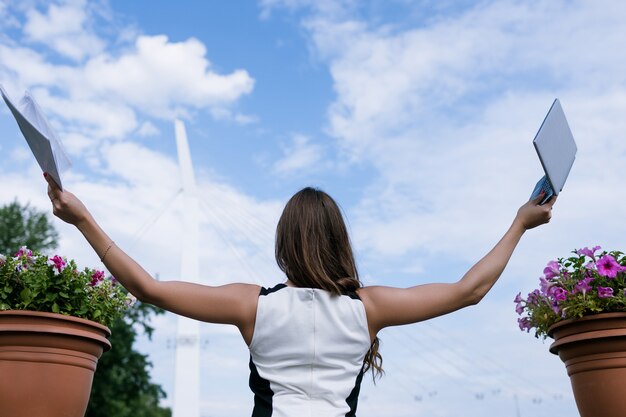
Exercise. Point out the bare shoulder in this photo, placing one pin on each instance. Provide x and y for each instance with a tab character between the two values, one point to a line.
371	297
249	290
246	296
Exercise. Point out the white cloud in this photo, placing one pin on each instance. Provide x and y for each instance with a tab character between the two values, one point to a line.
222	113
326	7
162	77
148	129
20	154
102	94
63	28
300	155
104	118
6	19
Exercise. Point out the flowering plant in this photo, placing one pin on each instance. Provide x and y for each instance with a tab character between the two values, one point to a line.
584	284
32	281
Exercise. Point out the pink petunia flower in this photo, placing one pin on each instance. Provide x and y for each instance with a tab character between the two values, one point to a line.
589	252
545	286
559	294
24	251
534	298
524	324
555	307
583	285
58	263
519	308
608	266
96	278
552	270
605	292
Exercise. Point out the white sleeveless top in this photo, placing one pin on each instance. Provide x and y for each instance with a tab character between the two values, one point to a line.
306	354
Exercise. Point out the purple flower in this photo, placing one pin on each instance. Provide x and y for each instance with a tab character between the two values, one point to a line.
605	292
588	252
552	270
608	266
559	294
555	307
58	263
583	285
524	324
24	251
519	308
545	286
534	298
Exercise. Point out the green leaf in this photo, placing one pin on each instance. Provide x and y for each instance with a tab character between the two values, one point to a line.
25	294
55	308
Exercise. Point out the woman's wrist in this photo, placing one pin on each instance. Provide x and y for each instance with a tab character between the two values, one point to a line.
518	226
84	223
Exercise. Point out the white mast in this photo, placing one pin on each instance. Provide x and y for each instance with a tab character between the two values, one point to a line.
187	380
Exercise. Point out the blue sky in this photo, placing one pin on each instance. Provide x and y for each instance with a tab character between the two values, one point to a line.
417	116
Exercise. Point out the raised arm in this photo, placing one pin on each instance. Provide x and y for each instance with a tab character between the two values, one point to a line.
229	304
386	306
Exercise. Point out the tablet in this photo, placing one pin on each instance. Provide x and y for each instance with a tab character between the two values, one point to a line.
556	149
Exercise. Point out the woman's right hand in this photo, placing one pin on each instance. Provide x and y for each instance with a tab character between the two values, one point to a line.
65	205
532	214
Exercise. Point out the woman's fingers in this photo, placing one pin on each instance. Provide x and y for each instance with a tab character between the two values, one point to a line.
54	192
538	199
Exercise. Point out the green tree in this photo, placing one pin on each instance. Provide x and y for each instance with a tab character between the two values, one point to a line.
25	226
121	385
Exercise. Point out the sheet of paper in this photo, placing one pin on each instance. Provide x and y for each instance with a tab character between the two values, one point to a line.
43	142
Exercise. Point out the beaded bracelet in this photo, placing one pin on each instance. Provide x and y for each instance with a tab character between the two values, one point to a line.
106	251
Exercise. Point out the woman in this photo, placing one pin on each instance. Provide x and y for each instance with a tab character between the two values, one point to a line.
311	338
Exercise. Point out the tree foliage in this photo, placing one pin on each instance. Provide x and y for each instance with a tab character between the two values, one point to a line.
25	226
122	386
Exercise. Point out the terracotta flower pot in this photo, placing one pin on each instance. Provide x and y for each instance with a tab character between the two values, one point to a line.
47	363
593	349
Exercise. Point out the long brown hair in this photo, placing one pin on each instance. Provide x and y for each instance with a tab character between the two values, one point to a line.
313	249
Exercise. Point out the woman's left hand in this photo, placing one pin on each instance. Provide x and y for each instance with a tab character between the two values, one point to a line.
65	205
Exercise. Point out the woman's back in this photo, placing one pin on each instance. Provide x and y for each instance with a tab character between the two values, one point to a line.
307	352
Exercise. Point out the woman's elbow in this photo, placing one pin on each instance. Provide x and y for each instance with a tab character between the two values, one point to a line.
475	298
472	294
144	293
